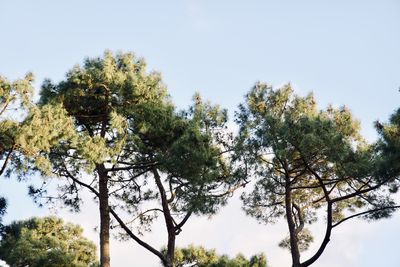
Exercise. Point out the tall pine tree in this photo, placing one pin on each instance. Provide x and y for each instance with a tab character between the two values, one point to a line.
114	131
305	160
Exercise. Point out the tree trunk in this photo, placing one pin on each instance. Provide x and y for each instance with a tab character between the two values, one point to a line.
170	248
294	248
329	221
169	222
104	217
326	238
168	263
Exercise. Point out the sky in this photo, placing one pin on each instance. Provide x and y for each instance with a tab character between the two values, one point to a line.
345	52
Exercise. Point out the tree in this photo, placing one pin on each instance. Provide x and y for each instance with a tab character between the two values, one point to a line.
124	141
41	242
191	172
306	160
98	99
200	257
16	113
14	96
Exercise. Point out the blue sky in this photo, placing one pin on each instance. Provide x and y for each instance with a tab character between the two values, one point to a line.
346	52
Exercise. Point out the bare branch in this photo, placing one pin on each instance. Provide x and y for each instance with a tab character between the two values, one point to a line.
363	213
136	238
178	227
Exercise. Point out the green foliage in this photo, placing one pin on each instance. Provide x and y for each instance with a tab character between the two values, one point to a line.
14	99
201	257
123	117
82	121
110	118
44	128
46	242
188	149
18	92
14	96
102	85
100	97
194	161
305	239
305	159
389	148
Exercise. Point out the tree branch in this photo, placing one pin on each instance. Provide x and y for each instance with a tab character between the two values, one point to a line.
231	190
364	212
69	175
179	225
134	237
7	159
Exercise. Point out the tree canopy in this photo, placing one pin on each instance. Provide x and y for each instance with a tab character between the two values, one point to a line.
305	159
111	128
15	102
201	257
15	97
191	172
46	242
389	147
116	133
100	98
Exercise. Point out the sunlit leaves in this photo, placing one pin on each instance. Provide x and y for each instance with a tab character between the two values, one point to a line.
305	240
201	257
46	242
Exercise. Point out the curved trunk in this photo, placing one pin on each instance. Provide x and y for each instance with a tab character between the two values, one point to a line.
329	221
326	239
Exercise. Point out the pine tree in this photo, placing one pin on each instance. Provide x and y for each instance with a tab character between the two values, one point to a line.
114	131
41	242
306	160
201	257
